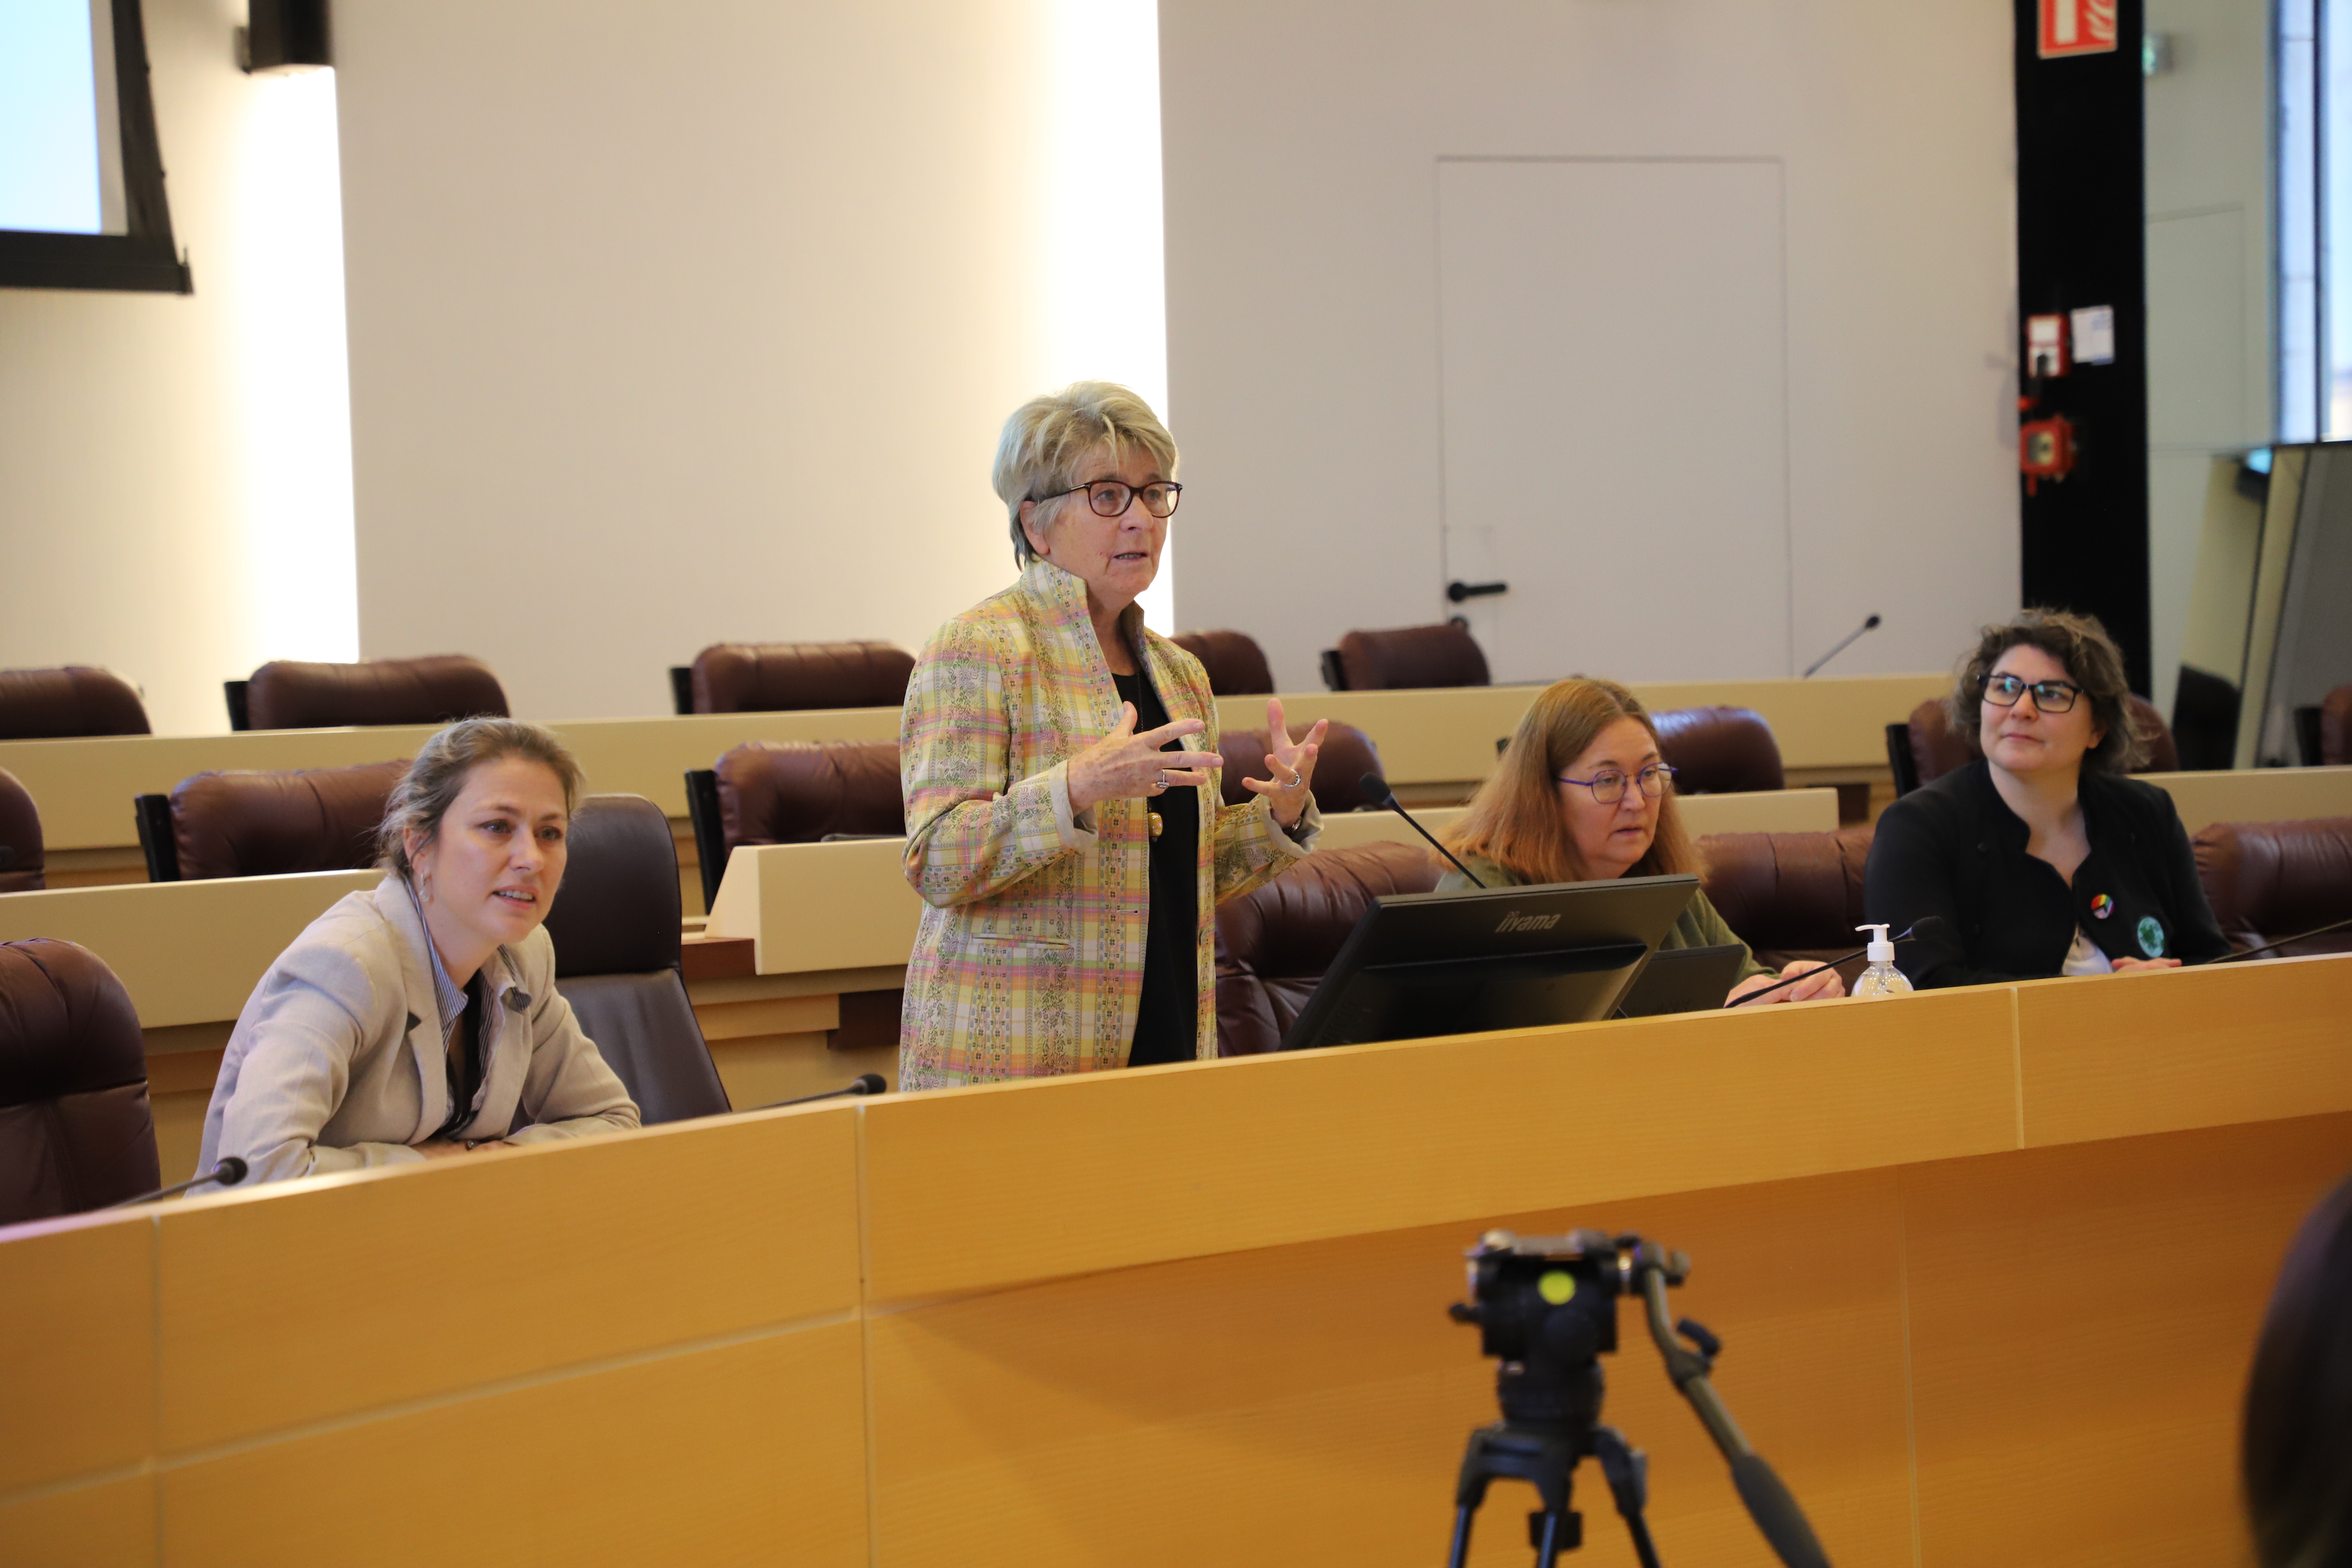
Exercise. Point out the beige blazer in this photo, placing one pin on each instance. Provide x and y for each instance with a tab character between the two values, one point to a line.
338	1060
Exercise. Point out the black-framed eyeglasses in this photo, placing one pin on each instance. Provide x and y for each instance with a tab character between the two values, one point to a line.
1608	786
2049	696
1112	497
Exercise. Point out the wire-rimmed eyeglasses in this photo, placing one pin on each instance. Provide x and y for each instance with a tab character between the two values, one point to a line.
1112	497
1608	786
2049	696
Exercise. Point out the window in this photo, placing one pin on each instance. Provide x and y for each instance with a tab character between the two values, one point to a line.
82	179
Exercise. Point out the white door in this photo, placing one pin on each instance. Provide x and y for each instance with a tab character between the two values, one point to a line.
1615	417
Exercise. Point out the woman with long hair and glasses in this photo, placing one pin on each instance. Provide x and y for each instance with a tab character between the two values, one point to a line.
2041	857
415	1020
1582	795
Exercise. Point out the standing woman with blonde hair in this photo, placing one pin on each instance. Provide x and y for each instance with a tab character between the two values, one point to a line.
1059	762
1582	795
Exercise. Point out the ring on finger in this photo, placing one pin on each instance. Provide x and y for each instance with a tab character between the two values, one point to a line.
1160	781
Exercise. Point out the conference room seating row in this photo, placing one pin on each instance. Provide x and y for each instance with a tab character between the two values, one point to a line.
22	861
1790	896
77	1131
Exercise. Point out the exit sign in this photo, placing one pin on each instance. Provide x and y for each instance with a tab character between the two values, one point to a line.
2077	27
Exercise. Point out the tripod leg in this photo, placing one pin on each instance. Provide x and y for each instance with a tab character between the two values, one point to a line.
1461	1517
1627	1470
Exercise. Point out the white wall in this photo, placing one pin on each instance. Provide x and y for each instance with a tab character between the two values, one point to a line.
2212	379
1301	142
692	323
174	489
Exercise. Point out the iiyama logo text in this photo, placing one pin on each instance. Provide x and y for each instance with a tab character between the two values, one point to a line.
1517	921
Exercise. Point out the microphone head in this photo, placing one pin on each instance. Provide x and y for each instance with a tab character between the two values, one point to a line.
230	1170
1870	624
1930	928
871	1083
1376	789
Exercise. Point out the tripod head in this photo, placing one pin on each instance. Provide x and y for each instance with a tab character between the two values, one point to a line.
1546	1308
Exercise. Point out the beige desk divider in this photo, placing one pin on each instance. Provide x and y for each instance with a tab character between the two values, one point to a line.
2257	794
1766	811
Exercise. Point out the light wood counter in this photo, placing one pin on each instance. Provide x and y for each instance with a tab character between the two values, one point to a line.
2256	794
1196	1314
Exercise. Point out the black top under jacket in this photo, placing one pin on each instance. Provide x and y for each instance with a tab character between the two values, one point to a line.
1167	1022
1955	850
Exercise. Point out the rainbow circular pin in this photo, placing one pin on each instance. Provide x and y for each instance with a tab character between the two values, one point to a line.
2102	906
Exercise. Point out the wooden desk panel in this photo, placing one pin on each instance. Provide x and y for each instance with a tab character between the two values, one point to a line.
2168	1049
745	1453
107	1525
76	1348
1309	1404
2257	794
2082	1320
632	1241
970	1189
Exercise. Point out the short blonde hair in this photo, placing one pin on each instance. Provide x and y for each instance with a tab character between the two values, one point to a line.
1049	439
438	777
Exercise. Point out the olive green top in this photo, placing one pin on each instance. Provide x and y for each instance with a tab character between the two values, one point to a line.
1698	926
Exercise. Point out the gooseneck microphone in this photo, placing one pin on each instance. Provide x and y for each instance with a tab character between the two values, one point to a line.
2268	946
1927	928
862	1084
1377	787
228	1173
1849	640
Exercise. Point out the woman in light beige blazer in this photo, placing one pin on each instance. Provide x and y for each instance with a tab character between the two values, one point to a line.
411	1022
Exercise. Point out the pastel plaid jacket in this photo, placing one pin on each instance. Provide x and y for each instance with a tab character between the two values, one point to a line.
1029	960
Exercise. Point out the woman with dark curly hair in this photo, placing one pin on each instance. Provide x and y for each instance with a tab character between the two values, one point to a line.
2041	857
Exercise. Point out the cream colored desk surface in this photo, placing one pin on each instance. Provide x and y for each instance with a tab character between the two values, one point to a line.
1197	1314
2257	794
847	905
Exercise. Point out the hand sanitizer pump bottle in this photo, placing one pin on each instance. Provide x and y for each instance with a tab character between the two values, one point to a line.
1882	978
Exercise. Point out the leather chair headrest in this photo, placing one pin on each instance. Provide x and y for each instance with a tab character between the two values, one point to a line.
1440	655
1787	891
796	792
1236	664
1719	750
2271	879
21	862
2336	727
1296	925
617	911
66	1026
271	823
1347	755
59	704
287	694
1936	750
759	677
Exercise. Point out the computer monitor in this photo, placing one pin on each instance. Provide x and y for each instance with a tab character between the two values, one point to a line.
1492	958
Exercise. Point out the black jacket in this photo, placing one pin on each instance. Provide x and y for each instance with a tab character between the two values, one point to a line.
1955	850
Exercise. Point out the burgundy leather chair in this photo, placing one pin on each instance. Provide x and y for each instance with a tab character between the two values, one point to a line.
1936	750
76	1130
2336	727
614	923
1440	655
1719	750
1274	942
1347	755
2271	879
758	677
60	704
286	694
1790	895
791	792
1236	665
22	867
266	824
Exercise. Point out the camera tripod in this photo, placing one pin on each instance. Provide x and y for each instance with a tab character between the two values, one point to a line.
1547	1459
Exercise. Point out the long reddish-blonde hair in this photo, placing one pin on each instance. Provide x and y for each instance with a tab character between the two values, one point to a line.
1515	818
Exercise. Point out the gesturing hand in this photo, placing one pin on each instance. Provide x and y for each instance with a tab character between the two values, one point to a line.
1292	766
1124	764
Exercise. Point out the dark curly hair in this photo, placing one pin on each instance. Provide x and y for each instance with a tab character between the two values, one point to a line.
2092	662
2294	1455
